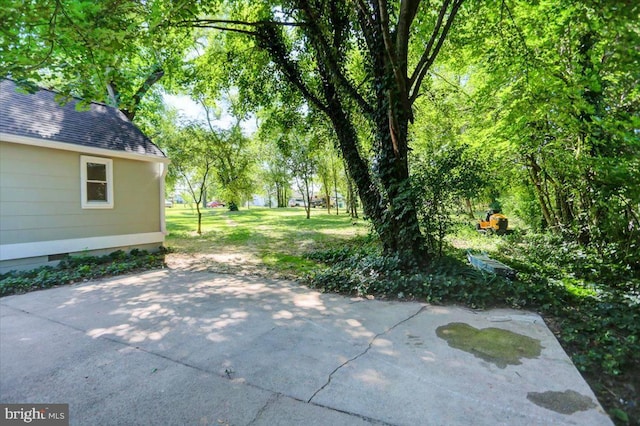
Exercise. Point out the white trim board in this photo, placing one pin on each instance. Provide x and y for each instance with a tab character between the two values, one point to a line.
44	248
47	143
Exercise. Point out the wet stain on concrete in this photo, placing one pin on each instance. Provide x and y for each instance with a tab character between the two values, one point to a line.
495	345
567	402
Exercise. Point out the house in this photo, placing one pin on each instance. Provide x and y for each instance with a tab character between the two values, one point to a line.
74	180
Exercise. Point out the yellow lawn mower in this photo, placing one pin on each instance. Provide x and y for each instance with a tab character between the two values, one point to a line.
494	223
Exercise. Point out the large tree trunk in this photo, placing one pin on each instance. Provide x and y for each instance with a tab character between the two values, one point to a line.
400	215
394	216
391	116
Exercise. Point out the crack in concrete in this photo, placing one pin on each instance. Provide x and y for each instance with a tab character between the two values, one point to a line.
273	398
365	351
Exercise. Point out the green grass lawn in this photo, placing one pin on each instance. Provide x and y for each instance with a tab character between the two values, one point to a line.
277	238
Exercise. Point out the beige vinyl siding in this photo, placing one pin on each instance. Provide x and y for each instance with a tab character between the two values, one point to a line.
40	197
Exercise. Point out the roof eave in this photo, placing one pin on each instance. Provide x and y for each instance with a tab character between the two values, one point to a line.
65	146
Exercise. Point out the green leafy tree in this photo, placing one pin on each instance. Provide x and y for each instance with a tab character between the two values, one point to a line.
192	161
352	195
446	122
274	174
560	92
300	151
329	167
273	131
233	160
109	51
340	57
442	177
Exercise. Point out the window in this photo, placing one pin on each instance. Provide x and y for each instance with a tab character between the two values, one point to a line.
96	175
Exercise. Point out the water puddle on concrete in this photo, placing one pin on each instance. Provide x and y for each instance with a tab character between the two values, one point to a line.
567	402
495	345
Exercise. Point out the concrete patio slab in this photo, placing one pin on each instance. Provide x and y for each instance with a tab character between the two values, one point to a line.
174	347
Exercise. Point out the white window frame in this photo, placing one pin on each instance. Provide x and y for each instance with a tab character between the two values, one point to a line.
86	204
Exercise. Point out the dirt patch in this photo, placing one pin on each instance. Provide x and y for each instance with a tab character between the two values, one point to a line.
244	263
241	263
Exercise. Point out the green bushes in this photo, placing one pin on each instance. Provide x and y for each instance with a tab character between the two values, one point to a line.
440	178
603	336
79	268
448	280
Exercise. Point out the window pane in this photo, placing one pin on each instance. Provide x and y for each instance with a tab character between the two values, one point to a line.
96	191
97	171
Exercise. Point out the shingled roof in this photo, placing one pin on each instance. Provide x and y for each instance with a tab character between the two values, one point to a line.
39	116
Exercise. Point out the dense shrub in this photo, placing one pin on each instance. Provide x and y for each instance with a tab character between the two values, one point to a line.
78	268
448	280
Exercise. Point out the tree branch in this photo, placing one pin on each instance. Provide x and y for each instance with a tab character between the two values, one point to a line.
366	23
328	55
207	112
408	10
273	44
266	36
431	52
457	87
365	13
196	24
51	40
156	74
386	36
59	6
427	51
206	22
